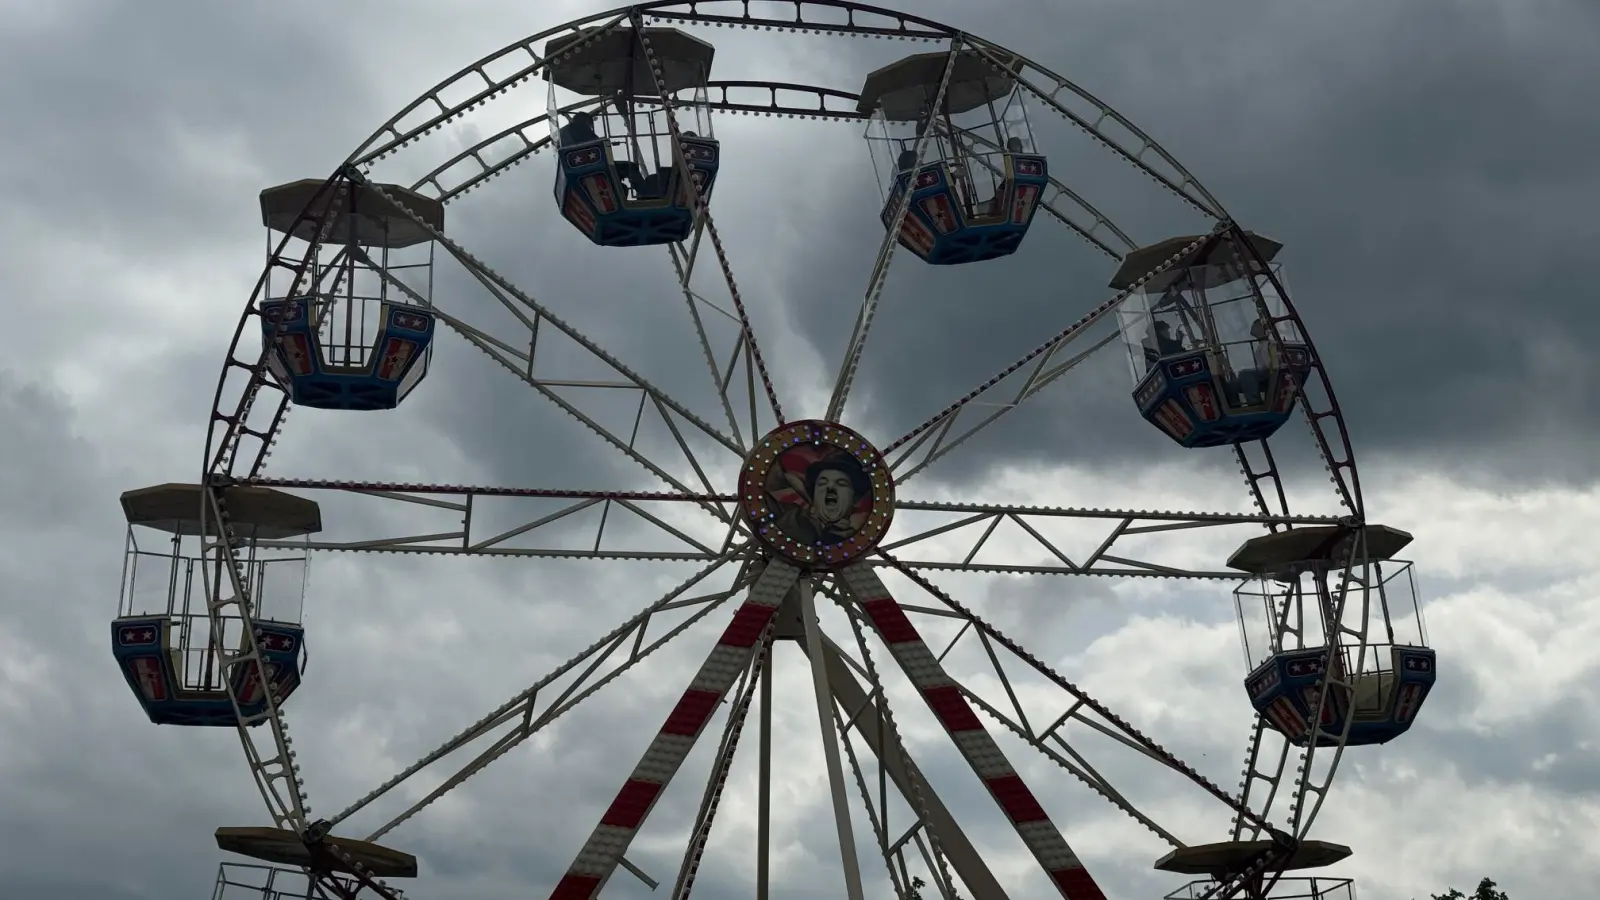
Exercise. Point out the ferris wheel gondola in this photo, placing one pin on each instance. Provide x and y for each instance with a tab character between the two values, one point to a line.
167	633
950	135
619	178
356	343
808	520
1217	357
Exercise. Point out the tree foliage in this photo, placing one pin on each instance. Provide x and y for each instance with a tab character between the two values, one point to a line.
1486	891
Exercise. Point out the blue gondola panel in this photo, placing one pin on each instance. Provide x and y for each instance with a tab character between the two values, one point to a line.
593	199
1185	397
397	360
144	650
937	228
1284	690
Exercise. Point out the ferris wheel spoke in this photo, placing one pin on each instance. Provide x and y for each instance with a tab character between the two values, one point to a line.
945	700
604	849
1040	357
521	363
532	313
530	711
971	537
935	443
447	520
683	264
947	845
735	368
704	221
1102	720
877	813
893	851
830	746
886	247
1067	757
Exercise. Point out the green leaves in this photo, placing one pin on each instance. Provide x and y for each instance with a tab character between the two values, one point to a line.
1486	891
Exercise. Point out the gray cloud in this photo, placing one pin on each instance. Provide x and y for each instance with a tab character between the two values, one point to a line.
1418	161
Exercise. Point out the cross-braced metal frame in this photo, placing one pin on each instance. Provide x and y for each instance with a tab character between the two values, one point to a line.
1282	786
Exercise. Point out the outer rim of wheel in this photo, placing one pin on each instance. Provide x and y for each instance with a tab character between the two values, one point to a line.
221	463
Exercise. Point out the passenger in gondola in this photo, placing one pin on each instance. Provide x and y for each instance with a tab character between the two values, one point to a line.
1166	344
906	161
996	205
631	174
578	130
1161	344
652	186
1253	381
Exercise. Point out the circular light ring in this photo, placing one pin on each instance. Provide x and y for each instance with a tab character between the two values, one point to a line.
786	525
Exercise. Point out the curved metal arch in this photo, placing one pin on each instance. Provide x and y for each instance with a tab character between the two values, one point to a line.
368	152
1205	201
672	10
372	150
275	772
534	145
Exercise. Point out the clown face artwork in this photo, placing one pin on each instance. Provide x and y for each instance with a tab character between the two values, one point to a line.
838	497
816	493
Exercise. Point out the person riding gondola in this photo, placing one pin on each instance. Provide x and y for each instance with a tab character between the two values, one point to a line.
1253	381
578	130
1162	344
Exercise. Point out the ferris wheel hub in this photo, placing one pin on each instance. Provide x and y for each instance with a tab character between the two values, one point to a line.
817	494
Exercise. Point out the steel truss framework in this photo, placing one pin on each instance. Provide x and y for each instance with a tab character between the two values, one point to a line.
1277	797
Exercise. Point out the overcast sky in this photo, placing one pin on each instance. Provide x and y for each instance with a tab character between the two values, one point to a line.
1427	165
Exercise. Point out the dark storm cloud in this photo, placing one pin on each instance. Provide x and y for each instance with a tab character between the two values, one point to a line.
1421	162
72	713
116	114
112	100
144	129
1544	748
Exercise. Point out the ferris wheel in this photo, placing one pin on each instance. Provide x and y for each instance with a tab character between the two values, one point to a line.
799	516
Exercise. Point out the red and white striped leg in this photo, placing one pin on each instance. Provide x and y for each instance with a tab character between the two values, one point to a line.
606	845
950	706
